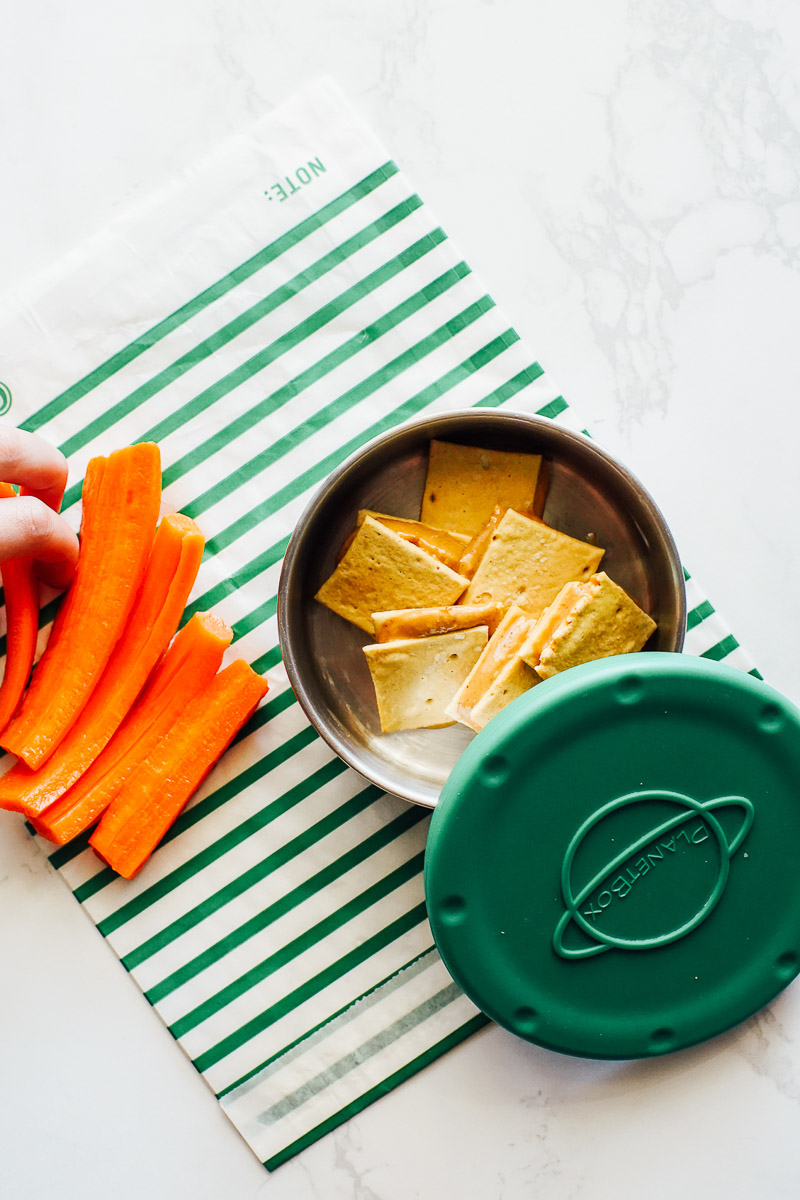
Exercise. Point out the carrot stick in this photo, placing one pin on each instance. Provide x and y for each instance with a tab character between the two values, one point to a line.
190	663
22	625
154	795
121	499
168	580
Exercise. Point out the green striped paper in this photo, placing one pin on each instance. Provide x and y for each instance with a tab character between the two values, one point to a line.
290	300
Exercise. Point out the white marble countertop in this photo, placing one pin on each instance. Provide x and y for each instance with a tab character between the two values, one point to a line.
624	175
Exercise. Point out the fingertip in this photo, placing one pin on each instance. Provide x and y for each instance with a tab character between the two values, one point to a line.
59	574
62	485
36	465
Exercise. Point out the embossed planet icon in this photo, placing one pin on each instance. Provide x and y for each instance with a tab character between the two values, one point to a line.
653	889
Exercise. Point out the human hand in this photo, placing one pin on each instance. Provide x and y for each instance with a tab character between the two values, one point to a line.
29	524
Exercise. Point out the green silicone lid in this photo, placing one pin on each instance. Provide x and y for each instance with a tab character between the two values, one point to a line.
611	870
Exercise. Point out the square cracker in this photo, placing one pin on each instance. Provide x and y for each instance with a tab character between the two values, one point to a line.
415	679
602	621
441	543
426	622
464	483
548	621
527	563
499	675
512	681
382	570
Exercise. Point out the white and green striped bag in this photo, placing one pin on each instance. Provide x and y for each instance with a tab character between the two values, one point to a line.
279	306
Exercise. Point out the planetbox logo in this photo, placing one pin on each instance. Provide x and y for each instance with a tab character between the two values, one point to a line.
646	869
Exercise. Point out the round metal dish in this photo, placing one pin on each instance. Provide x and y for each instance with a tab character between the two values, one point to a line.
591	496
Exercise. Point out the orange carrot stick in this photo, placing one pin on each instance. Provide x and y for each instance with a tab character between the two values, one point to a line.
168	580
121	499
151	800
188	666
22	625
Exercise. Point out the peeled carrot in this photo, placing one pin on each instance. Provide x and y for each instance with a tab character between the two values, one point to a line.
171	572
151	800
22	625
188	666
121	499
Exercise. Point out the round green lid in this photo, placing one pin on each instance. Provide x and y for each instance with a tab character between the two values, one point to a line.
612	868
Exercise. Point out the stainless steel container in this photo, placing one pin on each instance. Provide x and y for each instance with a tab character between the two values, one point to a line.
592	497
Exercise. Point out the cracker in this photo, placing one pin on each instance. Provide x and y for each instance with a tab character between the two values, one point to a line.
441	543
410	525
477	546
425	622
527	563
603	621
513	681
415	679
550	619
502	649
464	483
382	570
